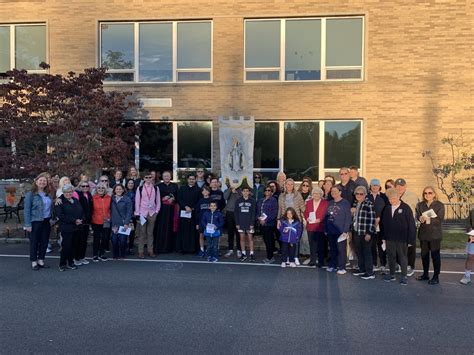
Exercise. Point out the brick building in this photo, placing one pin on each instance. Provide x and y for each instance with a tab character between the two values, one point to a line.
329	83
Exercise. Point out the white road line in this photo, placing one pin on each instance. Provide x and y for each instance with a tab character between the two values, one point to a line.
199	262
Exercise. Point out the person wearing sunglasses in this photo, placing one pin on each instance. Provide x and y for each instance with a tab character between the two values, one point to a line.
430	214
305	189
100	222
200	180
257	187
85	200
347	185
267	211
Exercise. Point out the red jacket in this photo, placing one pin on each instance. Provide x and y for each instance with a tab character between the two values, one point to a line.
100	208
320	214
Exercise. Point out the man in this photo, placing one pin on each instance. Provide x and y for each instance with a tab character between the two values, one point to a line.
187	240
245	208
411	200
118	178
147	207
216	194
200	181
231	196
399	233
347	185
359	180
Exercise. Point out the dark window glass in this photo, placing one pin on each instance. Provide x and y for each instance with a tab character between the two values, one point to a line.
301	156
265	154
156	146
342	144
117	50
156	52
194	144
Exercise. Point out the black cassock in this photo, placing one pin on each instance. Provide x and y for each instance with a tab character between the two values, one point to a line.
188	239
164	233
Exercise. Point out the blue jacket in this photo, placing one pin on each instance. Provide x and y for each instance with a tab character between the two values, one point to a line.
121	212
216	218
290	232
338	217
270	208
33	208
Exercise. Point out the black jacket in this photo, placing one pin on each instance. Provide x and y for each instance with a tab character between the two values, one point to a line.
67	214
399	228
86	204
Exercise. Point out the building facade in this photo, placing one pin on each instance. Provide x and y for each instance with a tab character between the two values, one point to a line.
329	83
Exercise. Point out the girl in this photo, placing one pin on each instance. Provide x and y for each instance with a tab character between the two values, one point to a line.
290	233
470	251
121	216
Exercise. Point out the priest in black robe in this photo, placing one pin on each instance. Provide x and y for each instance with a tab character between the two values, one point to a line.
166	225
188	196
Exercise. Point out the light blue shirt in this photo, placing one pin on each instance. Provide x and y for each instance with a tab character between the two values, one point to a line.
46	204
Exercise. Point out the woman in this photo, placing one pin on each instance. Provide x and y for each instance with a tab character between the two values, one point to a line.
267	210
363	227
314	215
167	220
130	192
327	187
379	200
305	190
275	188
281	180
430	214
133	175
389	184
62	182
338	222
85	199
258	188
100	222
70	216
120	218
291	198
37	213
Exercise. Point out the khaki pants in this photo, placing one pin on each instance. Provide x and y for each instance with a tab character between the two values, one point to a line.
145	234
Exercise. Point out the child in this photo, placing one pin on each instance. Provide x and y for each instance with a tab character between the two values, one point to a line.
290	233
470	251
245	208
212	222
201	207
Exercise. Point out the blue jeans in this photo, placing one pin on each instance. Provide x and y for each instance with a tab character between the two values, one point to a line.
119	245
212	247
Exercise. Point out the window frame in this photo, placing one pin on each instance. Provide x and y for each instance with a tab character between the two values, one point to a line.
174	41
323	69
12	27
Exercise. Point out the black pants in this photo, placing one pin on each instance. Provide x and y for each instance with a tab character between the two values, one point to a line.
232	231
364	253
101	237
67	247
411	256
377	251
131	237
287	252
434	247
39	238
267	233
397	251
316	247
80	243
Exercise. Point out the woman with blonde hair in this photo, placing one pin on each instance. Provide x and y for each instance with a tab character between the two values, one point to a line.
305	189
430	214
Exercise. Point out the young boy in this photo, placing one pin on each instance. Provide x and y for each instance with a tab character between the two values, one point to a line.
202	206
245	219
212	222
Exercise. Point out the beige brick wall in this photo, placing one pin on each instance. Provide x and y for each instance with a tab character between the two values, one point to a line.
418	64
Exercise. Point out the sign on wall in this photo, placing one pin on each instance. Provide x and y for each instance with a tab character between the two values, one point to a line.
236	137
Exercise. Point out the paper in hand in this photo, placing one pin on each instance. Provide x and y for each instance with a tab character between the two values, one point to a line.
471	233
125	231
142	220
185	214
430	213
342	237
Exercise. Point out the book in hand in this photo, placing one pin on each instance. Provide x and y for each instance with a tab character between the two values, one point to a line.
123	230
430	213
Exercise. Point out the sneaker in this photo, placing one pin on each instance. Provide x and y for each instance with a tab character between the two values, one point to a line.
283	265
404	281
358	273
368	276
376	268
389	278
239	254
214	260
293	264
307	261
95	259
297	261
341	272
103	258
465	280
77	263
268	261
331	269
201	254
410	271
71	267
62	268
209	258
84	262
383	270
48	250
228	254
398	269
252	258
243	257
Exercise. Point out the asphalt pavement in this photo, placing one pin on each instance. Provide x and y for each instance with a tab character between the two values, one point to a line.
176	304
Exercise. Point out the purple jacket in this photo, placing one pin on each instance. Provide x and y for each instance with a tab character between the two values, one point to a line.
290	232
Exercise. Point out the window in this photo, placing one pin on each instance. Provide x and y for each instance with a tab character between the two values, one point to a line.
157	52
194	144
301	149
304	49
23	47
265	153
342	144
156	146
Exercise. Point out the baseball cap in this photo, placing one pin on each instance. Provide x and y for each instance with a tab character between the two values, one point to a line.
375	182
400	181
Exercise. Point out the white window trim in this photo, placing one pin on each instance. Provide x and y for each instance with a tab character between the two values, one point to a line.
13	45
323	69
136	48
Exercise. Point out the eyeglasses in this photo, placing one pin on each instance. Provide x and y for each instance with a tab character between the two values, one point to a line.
104	180
428	193
268	190
147	177
257	177
84	186
200	171
305	185
100	188
343	173
359	193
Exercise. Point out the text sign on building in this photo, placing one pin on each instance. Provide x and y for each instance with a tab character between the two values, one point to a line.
155	102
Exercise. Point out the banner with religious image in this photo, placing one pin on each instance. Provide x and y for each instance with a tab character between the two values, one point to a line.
236	137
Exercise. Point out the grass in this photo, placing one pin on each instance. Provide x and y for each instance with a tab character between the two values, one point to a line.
453	241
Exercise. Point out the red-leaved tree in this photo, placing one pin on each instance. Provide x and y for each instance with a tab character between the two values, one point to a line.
64	124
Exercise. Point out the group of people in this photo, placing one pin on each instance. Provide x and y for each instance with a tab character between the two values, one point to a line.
333	224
